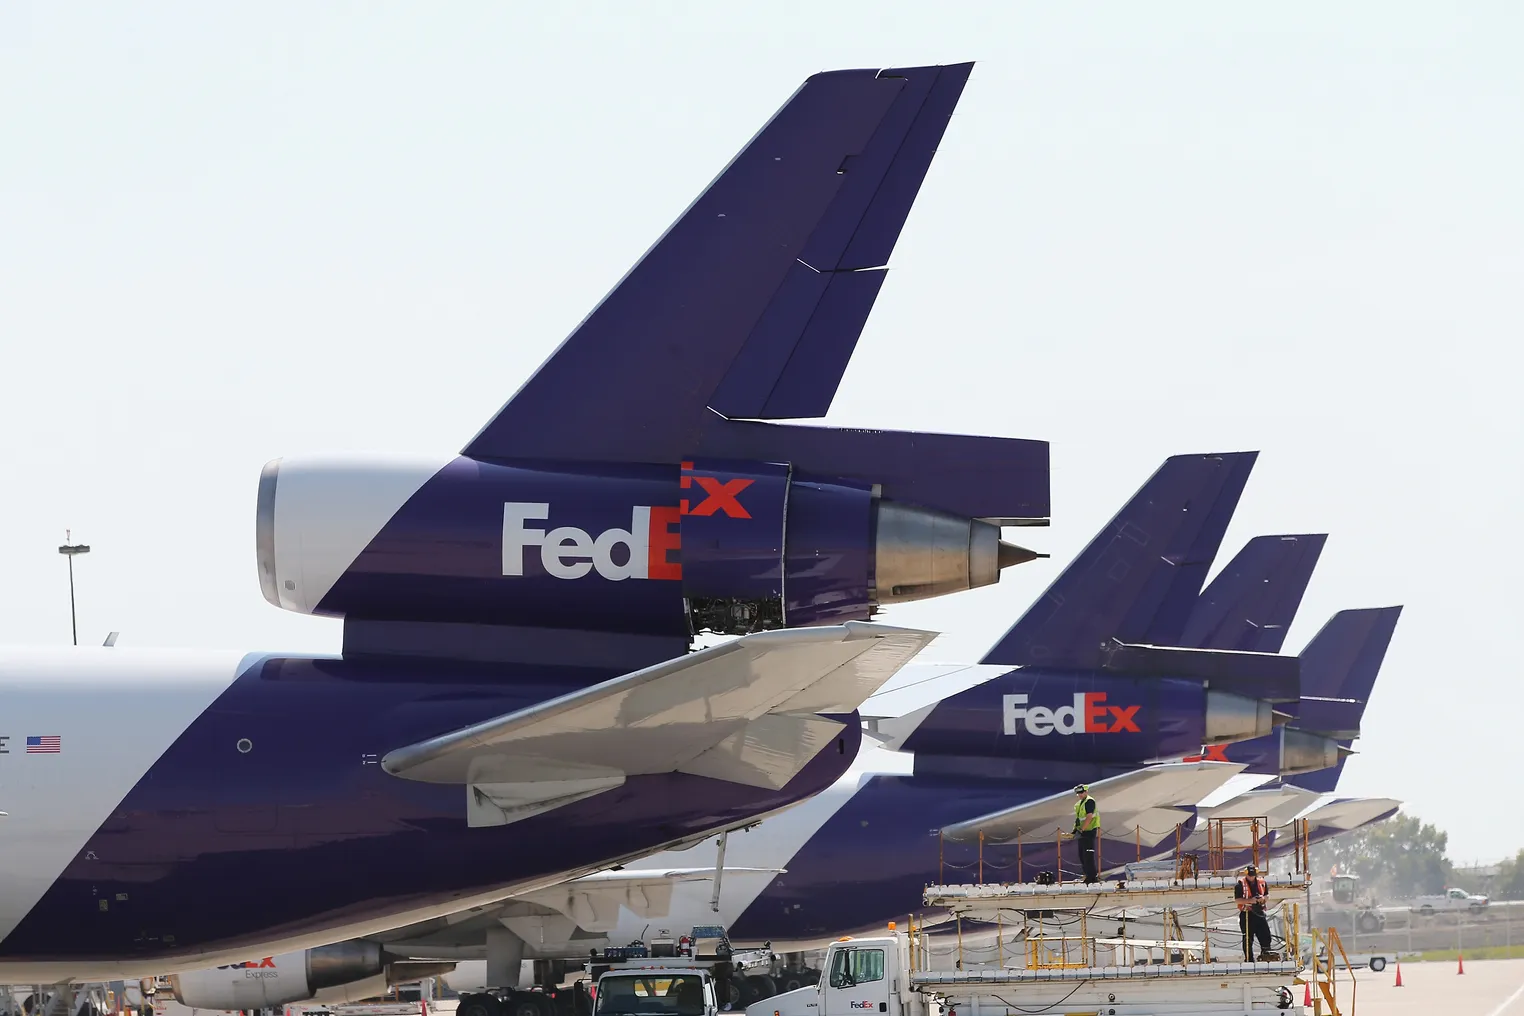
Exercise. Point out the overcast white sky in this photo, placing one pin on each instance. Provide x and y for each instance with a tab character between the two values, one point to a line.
230	232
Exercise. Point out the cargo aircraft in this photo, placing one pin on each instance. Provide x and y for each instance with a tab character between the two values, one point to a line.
516	702
983	757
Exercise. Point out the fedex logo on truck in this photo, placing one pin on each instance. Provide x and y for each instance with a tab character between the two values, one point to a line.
647	550
1088	715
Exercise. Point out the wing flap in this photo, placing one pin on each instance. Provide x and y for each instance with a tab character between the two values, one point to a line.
764	752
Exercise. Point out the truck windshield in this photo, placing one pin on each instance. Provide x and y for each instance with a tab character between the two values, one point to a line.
852	967
651	995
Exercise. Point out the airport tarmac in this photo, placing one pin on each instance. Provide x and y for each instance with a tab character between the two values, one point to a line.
1487	988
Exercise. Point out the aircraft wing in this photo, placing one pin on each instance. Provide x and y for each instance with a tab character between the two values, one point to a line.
1278	805
593	902
1144	805
752	711
1350	812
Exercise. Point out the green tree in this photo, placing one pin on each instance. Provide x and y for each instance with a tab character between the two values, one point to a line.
1398	857
1509	885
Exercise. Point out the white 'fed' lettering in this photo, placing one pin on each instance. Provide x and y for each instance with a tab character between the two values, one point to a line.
1040	720
567	552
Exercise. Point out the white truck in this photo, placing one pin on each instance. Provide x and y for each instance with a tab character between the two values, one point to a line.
1451	900
658	987
867	976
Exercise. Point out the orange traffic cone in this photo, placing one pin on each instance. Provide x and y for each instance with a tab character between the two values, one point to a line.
1399	975
1460	963
1307	997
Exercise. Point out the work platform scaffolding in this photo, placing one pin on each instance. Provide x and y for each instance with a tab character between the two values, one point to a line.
1050	950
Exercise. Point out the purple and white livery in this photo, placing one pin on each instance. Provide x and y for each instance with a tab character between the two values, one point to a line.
516	702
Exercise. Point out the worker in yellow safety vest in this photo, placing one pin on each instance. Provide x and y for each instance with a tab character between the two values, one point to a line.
1087	827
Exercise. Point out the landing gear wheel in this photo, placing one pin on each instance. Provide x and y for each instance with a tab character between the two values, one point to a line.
525	1003
792	982
761	986
479	1005
1378	964
734	993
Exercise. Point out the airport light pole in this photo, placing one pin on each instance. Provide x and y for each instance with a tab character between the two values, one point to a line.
70	551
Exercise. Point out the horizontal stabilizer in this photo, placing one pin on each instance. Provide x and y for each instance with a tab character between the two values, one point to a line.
1251	603
1143	805
1263	676
752	301
1139	578
748	711
1001	479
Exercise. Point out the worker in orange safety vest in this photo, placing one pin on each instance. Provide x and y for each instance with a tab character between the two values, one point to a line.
1251	893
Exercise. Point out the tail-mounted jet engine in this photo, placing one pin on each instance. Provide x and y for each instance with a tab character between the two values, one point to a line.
728	547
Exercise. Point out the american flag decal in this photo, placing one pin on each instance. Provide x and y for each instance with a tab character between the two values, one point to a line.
46	744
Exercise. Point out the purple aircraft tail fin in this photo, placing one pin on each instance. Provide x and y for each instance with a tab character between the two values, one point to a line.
1138	579
749	306
1251	603
1339	668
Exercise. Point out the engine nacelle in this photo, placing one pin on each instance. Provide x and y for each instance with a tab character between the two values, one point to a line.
719	546
277	980
1287	752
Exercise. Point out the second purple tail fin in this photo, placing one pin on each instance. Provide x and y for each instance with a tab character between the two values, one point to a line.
1250	605
1140	576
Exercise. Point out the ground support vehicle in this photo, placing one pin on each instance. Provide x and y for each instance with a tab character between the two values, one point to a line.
1048	960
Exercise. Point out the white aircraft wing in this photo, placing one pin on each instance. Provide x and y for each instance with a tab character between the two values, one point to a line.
593	901
1277	805
922	685
1143	805
748	712
1350	812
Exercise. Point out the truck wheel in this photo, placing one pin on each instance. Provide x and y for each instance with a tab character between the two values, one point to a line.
1369	921
1378	964
762	986
480	1004
527	1003
1425	911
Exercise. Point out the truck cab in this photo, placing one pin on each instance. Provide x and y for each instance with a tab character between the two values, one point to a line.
1346	889
859	977
657	989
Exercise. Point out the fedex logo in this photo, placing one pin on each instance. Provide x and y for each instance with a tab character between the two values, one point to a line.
267	962
1212	753
860	1005
1088	715
647	550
